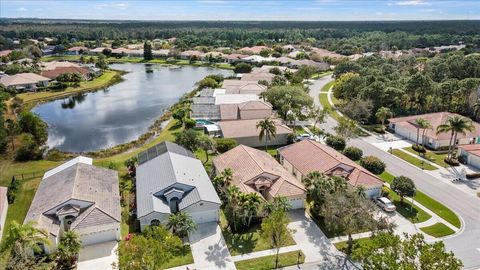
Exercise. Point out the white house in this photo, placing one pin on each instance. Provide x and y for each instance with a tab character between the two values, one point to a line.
24	81
470	153
80	197
170	179
407	128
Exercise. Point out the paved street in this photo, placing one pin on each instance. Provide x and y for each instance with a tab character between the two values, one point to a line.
465	245
209	249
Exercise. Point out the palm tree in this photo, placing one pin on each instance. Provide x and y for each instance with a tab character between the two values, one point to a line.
24	239
360	191
232	206
267	130
181	223
277	204
222	181
455	124
382	114
250	204
68	248
425	124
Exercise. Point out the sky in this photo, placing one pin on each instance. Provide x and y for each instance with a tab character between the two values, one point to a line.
286	10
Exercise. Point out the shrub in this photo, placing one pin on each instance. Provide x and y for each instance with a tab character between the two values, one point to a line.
243	68
385	192
452	161
403	186
379	130
189	123
353	153
373	164
419	148
473	175
336	142
225	144
12	190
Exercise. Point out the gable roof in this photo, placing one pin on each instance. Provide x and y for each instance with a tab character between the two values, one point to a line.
248	163
255	105
81	182
54	73
435	119
308	156
473	149
165	165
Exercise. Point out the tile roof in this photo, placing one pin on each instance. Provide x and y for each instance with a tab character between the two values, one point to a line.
308	156
81	182
435	119
249	164
22	78
54	73
254	49
248	128
263	76
473	149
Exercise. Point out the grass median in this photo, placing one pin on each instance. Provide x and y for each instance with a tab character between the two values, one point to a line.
438	230
413	160
268	262
438	159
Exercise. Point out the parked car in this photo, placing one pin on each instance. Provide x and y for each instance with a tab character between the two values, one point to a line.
302	137
385	204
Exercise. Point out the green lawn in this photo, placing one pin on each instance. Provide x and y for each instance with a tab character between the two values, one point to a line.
413	160
246	242
432	204
342	246
268	262
431	156
438	208
414	214
327	86
325	104
438	230
182	258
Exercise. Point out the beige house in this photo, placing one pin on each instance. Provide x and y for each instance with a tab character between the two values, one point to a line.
24	81
259	76
255	171
470	153
80	197
308	156
246	132
243	87
406	127
255	109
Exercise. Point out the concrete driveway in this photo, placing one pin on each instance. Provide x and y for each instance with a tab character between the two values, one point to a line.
98	257
209	249
313	242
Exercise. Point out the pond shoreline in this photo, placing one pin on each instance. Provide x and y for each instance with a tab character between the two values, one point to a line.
154	128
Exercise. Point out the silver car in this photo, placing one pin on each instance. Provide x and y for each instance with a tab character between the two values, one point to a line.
385	204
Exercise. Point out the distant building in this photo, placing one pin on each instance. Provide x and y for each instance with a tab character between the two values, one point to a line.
77	50
54	73
24	81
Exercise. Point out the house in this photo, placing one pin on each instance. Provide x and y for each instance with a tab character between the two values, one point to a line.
308	156
24	81
234	57
161	53
258	59
470	154
253	50
98	50
5	52
186	55
246	132
51	65
170	179
326	53
255	171
260	76
256	109
80	197
406	127
243	87
54	73
77	50
3	208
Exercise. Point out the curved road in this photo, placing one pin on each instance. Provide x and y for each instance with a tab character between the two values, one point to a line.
465	245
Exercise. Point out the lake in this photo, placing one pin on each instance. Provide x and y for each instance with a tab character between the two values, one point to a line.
119	113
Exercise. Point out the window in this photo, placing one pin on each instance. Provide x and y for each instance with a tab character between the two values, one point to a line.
155	222
174	205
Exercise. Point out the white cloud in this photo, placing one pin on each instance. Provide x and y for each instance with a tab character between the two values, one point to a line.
22	9
410	3
113	5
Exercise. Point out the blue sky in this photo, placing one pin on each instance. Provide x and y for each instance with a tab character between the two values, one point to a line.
316	10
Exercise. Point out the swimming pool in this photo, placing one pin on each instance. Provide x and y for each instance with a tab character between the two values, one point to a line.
202	122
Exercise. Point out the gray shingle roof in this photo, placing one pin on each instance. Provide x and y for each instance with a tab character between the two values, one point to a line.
82	182
172	168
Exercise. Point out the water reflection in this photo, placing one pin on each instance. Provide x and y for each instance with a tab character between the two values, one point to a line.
119	113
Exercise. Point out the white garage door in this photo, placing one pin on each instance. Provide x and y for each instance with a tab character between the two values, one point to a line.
99	237
474	161
206	216
297	203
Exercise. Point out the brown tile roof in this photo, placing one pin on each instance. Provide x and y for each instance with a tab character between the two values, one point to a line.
248	164
254	49
54	73
308	156
473	149
78	48
229	111
248	128
435	119
263	76
255	105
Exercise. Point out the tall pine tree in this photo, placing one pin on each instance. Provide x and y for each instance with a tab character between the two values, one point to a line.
147	51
